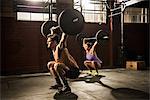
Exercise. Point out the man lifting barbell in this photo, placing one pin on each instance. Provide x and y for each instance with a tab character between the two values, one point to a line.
70	22
64	66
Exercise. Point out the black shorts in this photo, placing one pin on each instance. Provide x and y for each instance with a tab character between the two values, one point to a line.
73	73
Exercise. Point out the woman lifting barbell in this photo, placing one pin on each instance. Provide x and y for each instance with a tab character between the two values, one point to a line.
92	61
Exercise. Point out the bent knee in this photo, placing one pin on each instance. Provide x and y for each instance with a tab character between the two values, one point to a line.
50	64
85	62
97	64
58	66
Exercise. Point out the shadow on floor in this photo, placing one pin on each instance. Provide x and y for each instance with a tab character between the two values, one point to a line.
129	94
89	78
68	96
118	93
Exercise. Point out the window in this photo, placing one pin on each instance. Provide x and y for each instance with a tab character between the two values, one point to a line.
37	16
23	16
92	10
28	16
41	1
34	11
135	15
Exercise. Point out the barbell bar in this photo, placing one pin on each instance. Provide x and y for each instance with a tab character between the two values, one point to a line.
99	37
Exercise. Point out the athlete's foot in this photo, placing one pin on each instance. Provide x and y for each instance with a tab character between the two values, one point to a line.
97	75
57	86
64	90
90	73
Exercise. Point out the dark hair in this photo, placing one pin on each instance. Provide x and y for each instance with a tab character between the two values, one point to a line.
57	30
90	40
89	44
54	37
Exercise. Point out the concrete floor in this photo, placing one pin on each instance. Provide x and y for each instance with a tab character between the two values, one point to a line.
117	84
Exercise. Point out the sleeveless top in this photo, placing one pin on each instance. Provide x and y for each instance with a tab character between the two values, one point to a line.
91	57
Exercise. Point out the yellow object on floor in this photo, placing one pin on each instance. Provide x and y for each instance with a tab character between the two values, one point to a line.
93	72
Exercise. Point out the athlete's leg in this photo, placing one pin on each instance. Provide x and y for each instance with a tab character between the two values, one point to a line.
50	66
61	71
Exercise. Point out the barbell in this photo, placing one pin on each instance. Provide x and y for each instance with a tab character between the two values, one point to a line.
46	26
70	21
100	37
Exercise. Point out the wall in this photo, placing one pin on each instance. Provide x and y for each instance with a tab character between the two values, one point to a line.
136	40
23	47
116	38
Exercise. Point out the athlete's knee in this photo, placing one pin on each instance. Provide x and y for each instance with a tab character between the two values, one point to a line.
85	63
52	69
98	65
50	64
58	66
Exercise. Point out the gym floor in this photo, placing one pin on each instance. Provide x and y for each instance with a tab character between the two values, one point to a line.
114	84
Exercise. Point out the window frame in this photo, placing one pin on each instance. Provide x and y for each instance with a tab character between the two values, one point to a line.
32	9
31	18
136	15
78	4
